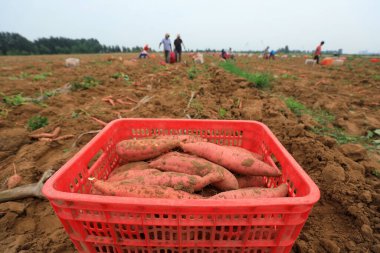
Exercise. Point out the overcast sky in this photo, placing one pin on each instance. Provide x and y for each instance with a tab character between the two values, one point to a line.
352	25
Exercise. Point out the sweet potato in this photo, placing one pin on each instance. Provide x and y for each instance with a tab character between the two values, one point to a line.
140	191
239	149
14	180
143	149
53	134
182	138
254	193
130	166
175	180
192	165
250	181
100	122
130	174
243	163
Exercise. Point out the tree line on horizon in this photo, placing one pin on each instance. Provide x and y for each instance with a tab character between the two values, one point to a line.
16	44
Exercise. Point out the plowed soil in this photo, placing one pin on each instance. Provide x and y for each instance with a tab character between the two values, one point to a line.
347	217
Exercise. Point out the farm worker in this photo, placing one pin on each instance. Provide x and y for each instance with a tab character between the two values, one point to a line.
272	54
230	55
265	53
318	52
167	47
144	53
178	47
224	54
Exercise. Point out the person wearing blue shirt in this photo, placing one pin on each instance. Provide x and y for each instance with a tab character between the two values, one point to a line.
167	47
272	54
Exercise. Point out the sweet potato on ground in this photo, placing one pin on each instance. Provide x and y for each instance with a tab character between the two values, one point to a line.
130	166
184	163
14	180
250	181
140	191
243	163
143	149
254	193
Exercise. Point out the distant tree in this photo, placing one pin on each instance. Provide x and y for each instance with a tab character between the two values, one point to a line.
286	49
14	43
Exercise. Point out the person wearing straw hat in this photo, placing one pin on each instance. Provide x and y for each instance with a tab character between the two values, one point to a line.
167	47
178	47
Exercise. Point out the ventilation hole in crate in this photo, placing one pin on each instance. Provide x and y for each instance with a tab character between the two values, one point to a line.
82	189
257	235
276	162
207	235
168	236
71	187
200	235
94	159
75	181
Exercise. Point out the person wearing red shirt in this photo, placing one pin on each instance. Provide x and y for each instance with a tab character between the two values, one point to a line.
144	53
318	51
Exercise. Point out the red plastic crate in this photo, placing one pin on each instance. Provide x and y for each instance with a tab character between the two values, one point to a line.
122	224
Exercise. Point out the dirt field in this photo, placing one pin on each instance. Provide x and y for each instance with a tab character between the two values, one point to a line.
340	104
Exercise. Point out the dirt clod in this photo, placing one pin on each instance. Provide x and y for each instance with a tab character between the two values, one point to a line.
330	246
332	173
367	232
366	196
355	151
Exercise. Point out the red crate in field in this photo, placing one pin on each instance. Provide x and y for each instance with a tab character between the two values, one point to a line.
123	224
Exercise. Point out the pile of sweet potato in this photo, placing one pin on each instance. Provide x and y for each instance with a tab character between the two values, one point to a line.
181	167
